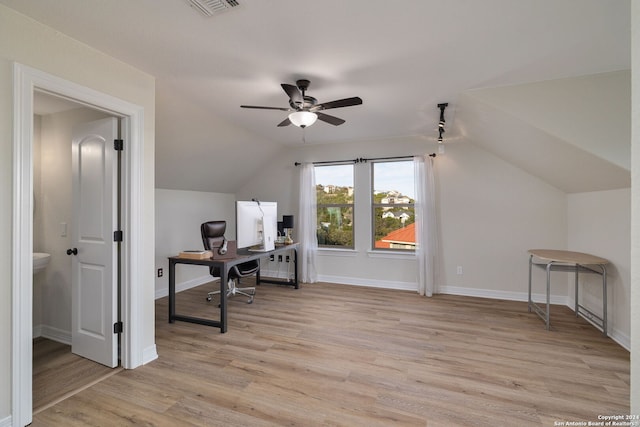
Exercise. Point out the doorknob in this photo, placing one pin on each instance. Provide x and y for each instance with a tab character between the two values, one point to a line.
73	251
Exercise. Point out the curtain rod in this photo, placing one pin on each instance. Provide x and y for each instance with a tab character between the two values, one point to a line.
362	160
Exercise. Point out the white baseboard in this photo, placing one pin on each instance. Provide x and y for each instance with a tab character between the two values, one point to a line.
613	332
149	354
506	295
373	283
621	339
6	422
51	333
161	293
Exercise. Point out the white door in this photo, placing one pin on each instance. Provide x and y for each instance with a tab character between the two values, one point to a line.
94	220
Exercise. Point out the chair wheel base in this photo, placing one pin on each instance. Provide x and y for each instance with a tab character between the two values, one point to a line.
233	290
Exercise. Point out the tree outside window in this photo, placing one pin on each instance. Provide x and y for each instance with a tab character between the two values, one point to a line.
334	195
393	208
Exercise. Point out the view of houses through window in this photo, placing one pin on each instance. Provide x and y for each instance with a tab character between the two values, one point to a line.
393	209
334	195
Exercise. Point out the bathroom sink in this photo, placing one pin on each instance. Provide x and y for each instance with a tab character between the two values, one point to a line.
40	261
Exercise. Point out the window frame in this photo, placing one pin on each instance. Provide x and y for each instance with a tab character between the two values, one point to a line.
351	206
374	206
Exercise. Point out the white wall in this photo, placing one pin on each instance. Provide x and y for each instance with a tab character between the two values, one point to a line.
30	43
53	200
178	218
600	224
490	214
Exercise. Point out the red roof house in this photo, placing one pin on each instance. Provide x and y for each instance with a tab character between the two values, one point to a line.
402	238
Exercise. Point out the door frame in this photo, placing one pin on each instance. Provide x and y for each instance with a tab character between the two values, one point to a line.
26	81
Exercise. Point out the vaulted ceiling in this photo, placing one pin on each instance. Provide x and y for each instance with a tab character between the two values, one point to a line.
542	84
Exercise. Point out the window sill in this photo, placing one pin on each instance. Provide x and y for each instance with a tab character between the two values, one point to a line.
391	255
337	252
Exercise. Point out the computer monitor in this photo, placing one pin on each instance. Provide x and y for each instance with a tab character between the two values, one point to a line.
256	225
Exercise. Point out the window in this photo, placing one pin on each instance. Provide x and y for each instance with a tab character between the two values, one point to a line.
393	209
334	194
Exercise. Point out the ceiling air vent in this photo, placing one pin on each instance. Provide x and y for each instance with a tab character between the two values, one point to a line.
212	7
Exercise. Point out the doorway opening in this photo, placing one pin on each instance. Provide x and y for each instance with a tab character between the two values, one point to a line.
62	363
26	82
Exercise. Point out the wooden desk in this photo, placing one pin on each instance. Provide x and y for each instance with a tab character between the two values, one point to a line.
224	266
575	262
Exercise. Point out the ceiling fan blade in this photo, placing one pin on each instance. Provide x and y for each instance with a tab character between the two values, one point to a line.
294	93
333	120
265	108
285	122
347	102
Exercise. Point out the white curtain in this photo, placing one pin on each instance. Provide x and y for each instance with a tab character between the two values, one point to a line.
308	224
427	247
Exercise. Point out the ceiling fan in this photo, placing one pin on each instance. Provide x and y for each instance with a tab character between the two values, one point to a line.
305	109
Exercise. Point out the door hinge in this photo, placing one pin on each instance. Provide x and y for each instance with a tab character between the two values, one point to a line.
118	144
118	328
117	236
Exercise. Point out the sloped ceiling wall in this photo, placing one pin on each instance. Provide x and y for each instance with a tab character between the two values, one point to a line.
572	133
200	150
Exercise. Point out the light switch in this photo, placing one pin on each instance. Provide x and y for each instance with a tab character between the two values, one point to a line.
63	229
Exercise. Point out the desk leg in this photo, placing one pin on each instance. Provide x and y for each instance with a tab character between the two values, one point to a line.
576	290
604	300
224	278
548	314
172	291
295	268
530	266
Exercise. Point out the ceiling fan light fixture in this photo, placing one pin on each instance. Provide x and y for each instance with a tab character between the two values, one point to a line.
303	107
302	119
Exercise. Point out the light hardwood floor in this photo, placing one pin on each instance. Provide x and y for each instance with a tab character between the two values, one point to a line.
336	355
58	373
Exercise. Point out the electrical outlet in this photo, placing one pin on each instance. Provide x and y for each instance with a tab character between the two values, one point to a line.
160	272
459	270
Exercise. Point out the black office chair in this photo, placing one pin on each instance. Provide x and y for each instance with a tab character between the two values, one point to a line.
213	238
